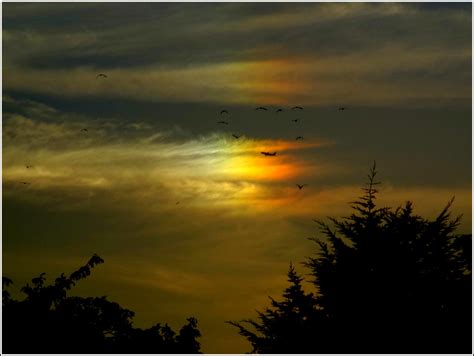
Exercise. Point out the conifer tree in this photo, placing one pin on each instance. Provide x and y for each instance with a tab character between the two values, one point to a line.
388	281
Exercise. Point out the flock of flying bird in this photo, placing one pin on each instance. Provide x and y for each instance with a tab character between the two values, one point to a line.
222	122
300	186
265	109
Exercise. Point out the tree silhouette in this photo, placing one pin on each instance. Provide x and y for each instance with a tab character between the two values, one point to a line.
287	326
388	281
49	321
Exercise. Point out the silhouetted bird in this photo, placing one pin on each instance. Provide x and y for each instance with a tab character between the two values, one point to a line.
224	112
341	108
299	138
237	137
301	186
295	120
279	110
28	166
268	153
296	108
24	183
101	75
261	108
177	202
85	130
223	122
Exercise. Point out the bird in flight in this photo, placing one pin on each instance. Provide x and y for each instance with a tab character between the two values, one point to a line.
224	112
261	108
236	136
299	138
24	183
268	153
295	120
223	122
296	108
101	75
279	110
300	186
27	166
342	108
85	130
177	202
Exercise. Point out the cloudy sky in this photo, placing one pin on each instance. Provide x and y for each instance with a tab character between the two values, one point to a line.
403	71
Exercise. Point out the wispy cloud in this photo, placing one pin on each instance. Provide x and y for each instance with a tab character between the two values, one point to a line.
209	170
314	54
382	78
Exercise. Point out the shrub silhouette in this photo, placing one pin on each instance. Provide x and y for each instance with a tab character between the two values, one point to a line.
48	321
388	281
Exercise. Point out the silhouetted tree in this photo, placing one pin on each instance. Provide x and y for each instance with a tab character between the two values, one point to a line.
48	321
187	338
286	326
388	281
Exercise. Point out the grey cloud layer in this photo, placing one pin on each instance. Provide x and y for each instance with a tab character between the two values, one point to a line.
178	51
111	35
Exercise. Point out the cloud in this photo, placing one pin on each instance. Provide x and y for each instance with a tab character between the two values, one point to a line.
203	33
211	170
367	54
383	77
110	165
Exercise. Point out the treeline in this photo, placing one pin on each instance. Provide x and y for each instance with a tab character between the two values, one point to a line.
387	281
48	321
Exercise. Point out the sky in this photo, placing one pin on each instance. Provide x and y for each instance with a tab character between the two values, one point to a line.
190	220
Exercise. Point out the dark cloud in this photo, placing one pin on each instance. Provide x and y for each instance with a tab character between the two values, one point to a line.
123	35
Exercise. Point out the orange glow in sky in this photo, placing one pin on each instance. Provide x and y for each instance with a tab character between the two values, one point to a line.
247	163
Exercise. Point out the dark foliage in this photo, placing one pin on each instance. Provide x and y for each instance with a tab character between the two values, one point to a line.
48	321
286	326
388	281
